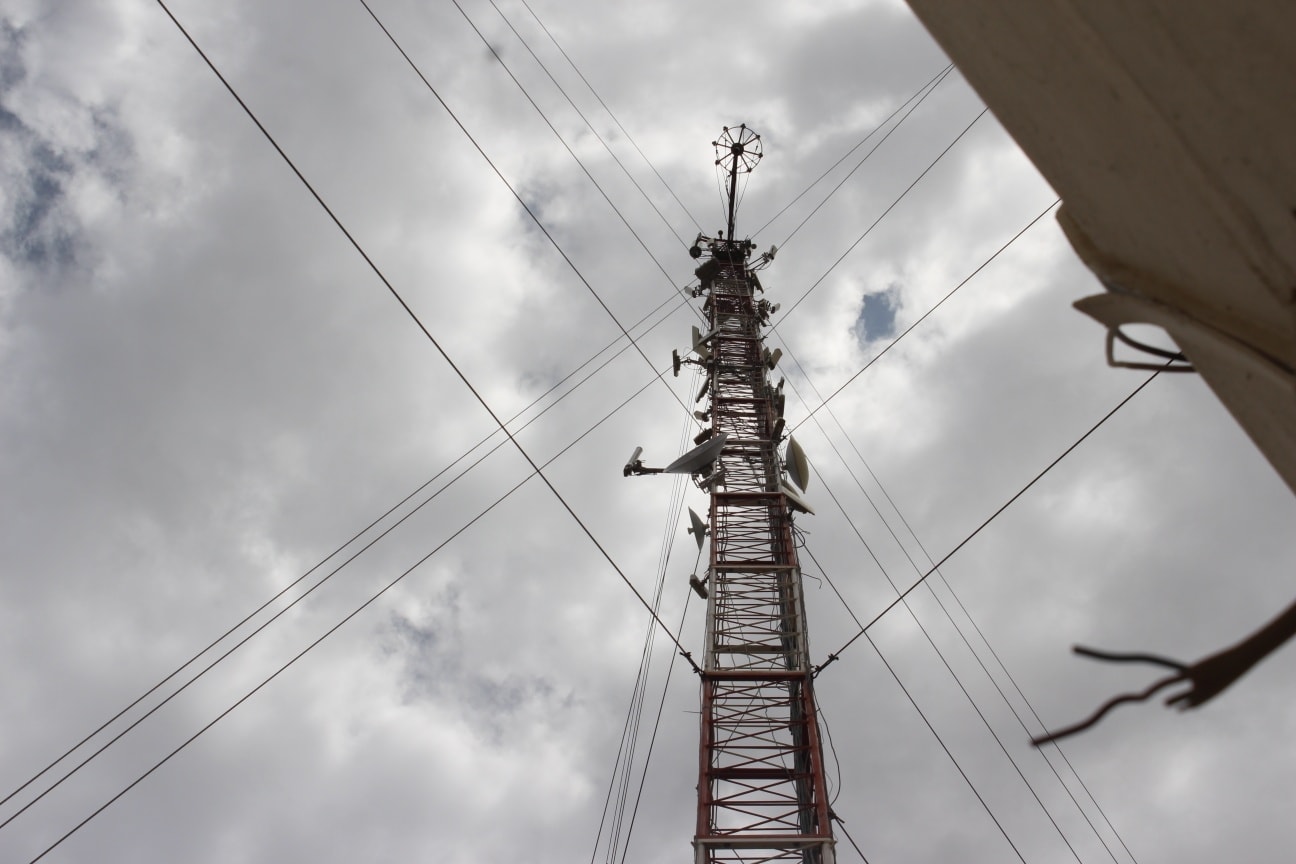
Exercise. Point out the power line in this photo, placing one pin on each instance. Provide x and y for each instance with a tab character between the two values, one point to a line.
410	312
1038	719
940	603
652	740
414	317
525	206
922	317
963	636
372	599
944	747
255	632
588	124
872	150
833	657
624	131
841	823
985	721
889	208
502	425
562	141
357	535
630	733
944	610
939	75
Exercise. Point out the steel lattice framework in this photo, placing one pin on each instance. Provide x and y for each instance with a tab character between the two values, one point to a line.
761	792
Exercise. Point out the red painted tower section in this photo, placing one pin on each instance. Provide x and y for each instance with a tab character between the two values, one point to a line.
761	792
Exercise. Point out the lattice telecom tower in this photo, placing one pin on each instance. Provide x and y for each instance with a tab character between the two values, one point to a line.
761	794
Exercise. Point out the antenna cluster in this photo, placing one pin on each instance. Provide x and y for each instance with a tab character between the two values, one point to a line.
761	788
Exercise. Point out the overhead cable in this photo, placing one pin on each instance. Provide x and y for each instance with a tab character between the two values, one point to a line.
871	151
652	740
630	734
921	90
985	721
833	657
889	208
624	131
958	629
588	124
300	598
932	729
520	200
923	317
372	599
354	537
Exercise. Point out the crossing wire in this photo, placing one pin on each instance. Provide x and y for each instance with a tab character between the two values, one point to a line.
356	536
260	628
588	124
833	657
521	202
503	427
624	131
927	722
957	628
871	151
372	599
889	208
922	317
842	822
985	721
561	140
934	80
630	732
661	705
805	374
537	470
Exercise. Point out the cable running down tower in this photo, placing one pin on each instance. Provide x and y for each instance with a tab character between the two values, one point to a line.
761	790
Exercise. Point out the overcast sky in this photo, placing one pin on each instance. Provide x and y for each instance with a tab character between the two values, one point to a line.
205	390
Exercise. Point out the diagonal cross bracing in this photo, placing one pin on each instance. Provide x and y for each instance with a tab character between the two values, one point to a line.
761	792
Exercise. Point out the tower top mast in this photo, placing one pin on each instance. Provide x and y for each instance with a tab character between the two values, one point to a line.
762	793
737	152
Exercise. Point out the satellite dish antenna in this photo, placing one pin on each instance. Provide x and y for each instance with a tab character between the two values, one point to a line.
700	340
698	586
795	501
798	467
698	346
698	529
697	459
675	362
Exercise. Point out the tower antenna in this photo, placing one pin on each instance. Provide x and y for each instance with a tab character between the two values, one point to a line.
737	152
761	787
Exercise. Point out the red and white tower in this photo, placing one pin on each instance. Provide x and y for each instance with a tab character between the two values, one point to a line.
761	792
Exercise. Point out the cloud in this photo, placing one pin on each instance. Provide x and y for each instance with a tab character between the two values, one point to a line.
204	391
